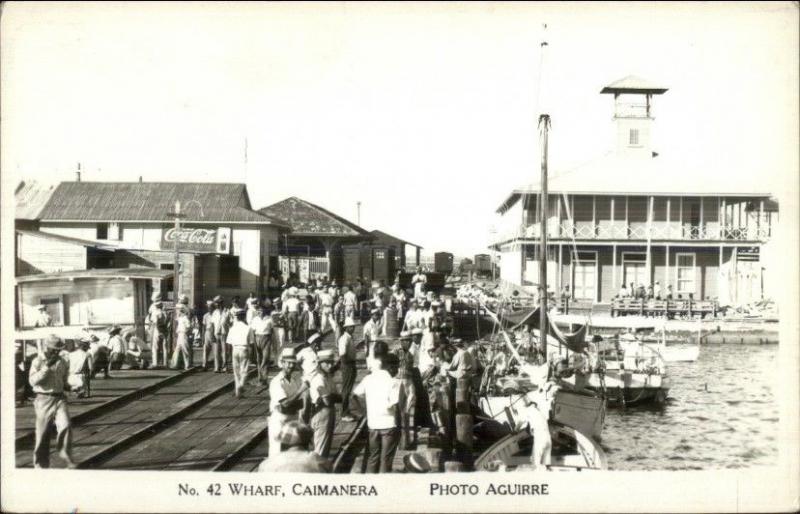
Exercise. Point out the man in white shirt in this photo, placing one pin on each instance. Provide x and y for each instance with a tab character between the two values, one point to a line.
291	313
183	350
286	392
239	337
418	282
323	396
350	304
381	396
326	318
412	319
262	334
49	377
43	318
373	329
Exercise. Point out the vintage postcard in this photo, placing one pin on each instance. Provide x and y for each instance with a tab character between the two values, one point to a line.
399	257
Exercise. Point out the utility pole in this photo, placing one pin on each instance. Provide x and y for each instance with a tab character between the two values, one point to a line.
175	278
358	213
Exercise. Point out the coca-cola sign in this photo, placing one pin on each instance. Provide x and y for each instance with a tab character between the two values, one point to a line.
193	239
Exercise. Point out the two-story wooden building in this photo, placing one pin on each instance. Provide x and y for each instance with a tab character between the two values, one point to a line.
634	216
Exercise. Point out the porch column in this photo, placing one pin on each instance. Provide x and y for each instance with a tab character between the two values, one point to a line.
724	211
719	271
760	216
669	218
613	235
666	269
328	244
594	215
560	261
627	222
700	232
613	268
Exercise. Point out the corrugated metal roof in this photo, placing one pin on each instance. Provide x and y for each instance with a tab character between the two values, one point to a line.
30	198
616	174
146	273
67	239
383	235
306	218
633	84
151	201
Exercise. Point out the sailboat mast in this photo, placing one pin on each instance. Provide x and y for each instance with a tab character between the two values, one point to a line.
544	127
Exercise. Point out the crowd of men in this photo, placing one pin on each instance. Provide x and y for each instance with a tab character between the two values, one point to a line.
410	357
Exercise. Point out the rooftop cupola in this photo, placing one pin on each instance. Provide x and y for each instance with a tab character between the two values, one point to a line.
633	114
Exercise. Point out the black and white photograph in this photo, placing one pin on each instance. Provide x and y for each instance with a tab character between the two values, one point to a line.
526	256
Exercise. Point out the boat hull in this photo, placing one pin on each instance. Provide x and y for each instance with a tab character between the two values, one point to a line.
628	387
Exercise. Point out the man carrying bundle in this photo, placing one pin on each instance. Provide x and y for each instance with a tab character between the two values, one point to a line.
286	392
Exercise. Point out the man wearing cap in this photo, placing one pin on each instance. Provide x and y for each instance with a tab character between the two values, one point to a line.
323	397
210	345
80	367
381	396
308	358
49	378
240	337
347	360
183	350
262	335
412	318
296	458
157	319
116	348
286	392
251	303
43	318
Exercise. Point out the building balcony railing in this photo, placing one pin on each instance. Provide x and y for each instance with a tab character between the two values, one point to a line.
639	232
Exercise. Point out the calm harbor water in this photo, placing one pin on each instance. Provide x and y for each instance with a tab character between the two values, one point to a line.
721	413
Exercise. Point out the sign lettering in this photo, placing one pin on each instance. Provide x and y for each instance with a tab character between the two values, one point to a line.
201	240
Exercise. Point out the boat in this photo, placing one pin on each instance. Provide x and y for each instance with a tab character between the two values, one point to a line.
629	371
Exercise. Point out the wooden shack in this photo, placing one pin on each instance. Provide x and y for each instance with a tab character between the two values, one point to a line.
90	298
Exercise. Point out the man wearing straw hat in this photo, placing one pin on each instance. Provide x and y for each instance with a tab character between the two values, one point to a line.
116	347
323	399
49	379
222	323
286	392
347	360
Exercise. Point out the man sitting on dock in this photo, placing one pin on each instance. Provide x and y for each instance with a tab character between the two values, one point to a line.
116	347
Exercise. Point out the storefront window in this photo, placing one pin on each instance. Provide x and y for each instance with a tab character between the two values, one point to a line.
228	271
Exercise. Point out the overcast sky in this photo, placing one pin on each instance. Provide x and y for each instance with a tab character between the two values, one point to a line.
424	113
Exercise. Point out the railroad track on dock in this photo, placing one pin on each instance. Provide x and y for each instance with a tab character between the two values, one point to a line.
183	422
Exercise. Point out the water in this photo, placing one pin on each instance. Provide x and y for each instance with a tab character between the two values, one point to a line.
721	413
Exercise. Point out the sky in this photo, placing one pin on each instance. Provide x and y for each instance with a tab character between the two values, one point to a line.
424	113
